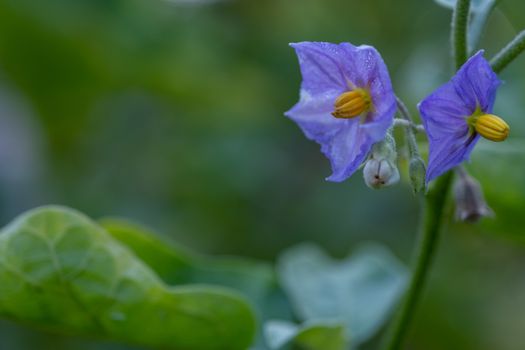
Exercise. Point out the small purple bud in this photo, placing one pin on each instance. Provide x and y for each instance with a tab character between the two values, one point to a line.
470	202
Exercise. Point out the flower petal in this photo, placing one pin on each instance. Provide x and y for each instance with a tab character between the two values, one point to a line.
363	64
347	150
444	113
476	83
321	67
446	153
313	115
373	74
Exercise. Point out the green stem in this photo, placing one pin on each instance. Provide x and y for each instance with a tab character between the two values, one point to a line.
459	31
434	204
508	53
409	130
432	222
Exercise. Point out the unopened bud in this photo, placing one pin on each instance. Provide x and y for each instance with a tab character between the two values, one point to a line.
470	202
380	173
380	169
417	172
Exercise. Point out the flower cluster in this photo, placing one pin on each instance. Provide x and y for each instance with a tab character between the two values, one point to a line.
347	105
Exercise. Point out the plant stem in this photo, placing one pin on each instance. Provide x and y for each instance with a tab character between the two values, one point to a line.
459	32
508	53
407	124
432	222
434	202
409	131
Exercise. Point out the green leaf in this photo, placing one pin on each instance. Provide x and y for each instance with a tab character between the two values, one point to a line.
61	271
359	291
320	336
174	264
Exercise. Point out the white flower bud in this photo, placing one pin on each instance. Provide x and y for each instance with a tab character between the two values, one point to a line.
380	169
380	173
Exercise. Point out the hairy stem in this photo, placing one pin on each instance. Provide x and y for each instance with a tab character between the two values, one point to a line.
432	222
434	203
409	131
508	53
459	32
407	124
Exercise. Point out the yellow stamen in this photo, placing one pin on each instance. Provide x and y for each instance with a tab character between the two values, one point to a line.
351	104
491	127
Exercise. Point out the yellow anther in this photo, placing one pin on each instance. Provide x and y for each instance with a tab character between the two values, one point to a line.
351	104
491	127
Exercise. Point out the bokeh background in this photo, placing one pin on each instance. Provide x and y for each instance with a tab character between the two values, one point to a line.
171	113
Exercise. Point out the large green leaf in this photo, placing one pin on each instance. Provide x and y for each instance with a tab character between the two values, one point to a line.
318	336
174	264
358	291
61	271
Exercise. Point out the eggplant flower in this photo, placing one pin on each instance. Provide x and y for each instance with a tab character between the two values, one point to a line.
458	113
346	102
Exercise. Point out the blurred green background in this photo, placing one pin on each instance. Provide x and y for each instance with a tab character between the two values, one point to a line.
171	113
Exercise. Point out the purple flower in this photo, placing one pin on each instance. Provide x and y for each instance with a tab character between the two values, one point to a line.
457	113
346	103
